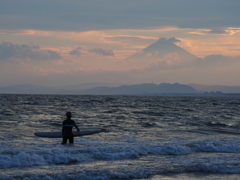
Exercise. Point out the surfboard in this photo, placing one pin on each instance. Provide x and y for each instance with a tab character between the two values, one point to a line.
75	133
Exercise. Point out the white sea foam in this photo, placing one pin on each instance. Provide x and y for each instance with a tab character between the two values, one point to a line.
233	168
217	146
85	175
44	155
34	155
125	172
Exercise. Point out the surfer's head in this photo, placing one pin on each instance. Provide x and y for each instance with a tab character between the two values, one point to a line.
68	114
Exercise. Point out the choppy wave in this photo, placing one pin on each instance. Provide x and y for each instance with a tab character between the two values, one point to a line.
85	174
146	136
38	156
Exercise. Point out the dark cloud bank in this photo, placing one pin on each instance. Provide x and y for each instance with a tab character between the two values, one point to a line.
15	51
75	15
34	52
99	51
103	52
76	52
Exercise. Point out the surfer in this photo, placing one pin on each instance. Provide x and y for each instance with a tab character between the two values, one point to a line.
67	129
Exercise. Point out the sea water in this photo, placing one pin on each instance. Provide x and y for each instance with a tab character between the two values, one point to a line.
147	137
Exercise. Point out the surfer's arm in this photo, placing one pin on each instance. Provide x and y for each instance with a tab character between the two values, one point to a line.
76	126
62	128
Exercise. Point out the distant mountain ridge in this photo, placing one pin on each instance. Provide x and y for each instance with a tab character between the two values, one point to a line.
208	88
116	89
26	89
103	90
34	89
140	89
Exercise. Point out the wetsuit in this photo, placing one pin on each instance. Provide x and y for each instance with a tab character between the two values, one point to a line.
67	131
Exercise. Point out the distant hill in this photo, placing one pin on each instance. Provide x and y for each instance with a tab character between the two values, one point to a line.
26	89
163	49
103	90
140	89
86	86
33	89
224	89
115	89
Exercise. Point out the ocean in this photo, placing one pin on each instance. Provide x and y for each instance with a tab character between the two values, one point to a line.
147	138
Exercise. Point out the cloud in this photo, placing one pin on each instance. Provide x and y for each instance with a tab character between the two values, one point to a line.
131	39
16	51
79	50
214	31
210	61
76	52
218	31
102	52
159	66
173	40
77	15
216	60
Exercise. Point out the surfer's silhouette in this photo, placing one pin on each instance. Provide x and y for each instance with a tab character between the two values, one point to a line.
67	129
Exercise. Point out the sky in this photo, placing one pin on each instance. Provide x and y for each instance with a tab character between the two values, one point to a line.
59	42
